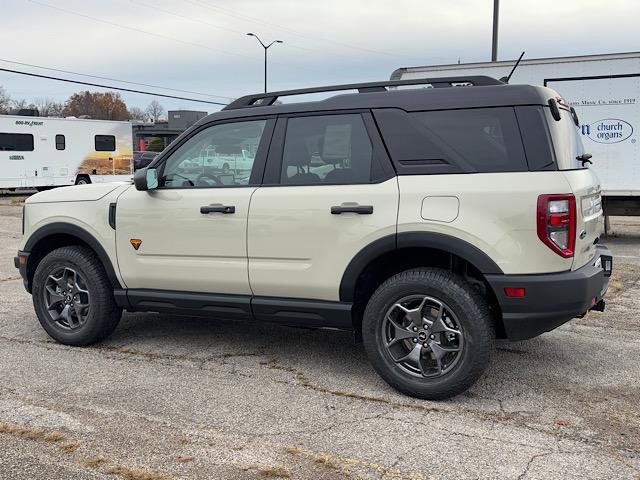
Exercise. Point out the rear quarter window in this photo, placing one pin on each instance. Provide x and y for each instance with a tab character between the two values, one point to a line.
453	141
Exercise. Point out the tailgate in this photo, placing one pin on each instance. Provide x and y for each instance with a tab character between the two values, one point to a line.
586	188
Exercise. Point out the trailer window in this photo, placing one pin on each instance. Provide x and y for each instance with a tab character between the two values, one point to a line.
16	142
105	143
60	142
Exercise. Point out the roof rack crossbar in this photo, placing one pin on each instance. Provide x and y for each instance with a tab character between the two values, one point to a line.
268	98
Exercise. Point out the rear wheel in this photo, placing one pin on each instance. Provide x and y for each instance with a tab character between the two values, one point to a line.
73	297
428	333
83	180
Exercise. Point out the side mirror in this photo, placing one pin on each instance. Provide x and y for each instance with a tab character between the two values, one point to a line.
145	179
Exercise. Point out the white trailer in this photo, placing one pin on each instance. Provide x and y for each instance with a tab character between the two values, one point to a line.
604	90
44	152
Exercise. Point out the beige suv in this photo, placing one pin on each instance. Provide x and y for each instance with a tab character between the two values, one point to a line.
428	220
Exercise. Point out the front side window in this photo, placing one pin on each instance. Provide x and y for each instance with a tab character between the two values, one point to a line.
221	155
105	143
328	149
16	142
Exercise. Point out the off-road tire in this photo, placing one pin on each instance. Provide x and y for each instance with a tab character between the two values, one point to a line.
103	314
472	313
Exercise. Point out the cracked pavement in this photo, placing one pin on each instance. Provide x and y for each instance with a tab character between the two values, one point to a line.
180	397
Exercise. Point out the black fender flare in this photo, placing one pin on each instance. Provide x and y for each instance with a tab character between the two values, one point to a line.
439	241
73	230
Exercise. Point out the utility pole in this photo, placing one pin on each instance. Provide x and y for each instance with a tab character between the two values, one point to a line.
266	47
494	41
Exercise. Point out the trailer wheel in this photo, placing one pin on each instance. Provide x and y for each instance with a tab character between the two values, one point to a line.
83	180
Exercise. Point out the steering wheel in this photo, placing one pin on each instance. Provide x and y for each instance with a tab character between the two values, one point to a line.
200	179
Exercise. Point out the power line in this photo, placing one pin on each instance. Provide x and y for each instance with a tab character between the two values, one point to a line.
113	79
139	30
109	87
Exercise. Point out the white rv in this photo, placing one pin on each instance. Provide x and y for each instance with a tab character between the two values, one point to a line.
44	152
604	90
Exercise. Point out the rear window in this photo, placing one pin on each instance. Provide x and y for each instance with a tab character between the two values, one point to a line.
453	141
16	142
566	140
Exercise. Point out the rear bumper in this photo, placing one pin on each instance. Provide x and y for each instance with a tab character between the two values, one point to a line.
552	299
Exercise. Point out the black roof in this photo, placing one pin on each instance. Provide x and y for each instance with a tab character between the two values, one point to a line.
479	92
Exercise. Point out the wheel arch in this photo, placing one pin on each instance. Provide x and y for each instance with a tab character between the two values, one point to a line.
394	253
55	235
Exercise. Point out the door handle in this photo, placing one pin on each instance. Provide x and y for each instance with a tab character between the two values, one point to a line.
359	209
217	208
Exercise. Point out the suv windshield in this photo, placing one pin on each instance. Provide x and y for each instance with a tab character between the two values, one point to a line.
566	140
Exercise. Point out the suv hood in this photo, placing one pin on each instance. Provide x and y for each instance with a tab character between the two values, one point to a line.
75	193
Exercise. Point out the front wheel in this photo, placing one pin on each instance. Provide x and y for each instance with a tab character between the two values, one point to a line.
428	333
73	297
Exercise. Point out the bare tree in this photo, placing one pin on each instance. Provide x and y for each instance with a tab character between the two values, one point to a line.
5	101
136	113
21	105
48	107
155	111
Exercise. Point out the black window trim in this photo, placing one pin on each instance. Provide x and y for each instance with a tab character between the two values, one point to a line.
259	161
381	164
95	143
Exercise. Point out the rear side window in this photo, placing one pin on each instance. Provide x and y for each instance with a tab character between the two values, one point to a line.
453	141
105	143
328	149
16	142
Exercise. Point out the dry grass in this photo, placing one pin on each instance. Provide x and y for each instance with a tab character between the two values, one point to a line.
129	473
275	472
184	458
32	433
70	447
95	462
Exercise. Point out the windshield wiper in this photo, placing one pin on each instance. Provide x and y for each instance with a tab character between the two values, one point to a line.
584	158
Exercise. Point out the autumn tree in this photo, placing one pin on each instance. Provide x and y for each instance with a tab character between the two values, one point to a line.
5	101
136	113
155	111
100	106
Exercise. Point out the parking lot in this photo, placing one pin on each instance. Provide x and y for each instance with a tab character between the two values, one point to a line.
179	397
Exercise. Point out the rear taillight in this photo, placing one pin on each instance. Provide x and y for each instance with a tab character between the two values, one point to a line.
556	222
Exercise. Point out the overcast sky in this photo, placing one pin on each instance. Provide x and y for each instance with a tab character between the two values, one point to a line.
200	45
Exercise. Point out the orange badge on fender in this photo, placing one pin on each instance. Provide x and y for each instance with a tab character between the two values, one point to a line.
136	242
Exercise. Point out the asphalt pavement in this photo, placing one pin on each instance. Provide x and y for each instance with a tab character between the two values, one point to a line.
171	397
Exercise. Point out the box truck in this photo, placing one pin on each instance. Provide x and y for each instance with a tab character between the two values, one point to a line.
46	152
605	92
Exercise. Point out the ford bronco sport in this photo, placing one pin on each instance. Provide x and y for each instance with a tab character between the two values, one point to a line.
428	220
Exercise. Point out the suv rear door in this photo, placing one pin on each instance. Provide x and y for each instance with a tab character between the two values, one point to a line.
329	190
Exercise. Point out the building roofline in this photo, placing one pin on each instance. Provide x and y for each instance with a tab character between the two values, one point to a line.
397	74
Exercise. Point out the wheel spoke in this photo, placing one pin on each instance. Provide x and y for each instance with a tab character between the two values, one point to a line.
54	297
413	357
440	351
400	333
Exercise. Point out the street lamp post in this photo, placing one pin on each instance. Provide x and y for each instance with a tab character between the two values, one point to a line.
266	47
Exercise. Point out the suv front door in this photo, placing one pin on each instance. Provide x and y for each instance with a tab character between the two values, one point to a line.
193	227
329	190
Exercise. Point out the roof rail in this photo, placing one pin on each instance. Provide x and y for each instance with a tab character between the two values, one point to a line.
268	98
